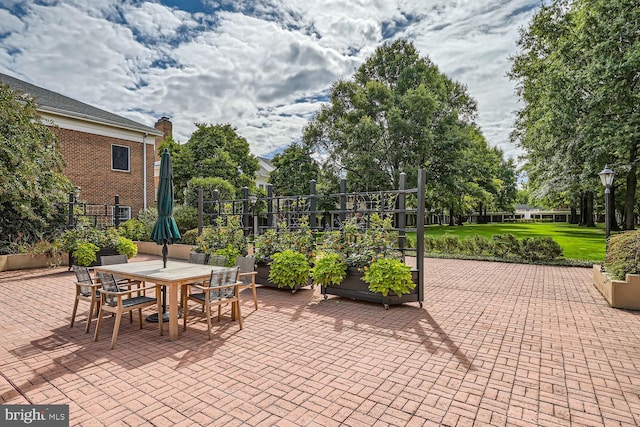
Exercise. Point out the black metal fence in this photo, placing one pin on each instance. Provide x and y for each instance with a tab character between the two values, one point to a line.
97	215
325	212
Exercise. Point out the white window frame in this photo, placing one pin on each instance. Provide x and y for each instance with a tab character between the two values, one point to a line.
128	158
126	210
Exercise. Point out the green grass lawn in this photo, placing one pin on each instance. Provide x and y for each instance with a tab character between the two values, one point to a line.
577	242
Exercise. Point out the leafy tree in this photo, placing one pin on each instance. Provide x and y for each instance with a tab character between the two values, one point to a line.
215	151
294	170
208	185
171	144
31	178
398	113
578	78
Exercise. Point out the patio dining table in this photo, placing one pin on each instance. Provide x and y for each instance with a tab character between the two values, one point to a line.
174	276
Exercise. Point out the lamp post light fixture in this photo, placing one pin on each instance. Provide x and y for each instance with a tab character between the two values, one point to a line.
607	176
253	200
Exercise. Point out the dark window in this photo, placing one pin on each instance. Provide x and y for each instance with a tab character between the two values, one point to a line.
119	158
124	213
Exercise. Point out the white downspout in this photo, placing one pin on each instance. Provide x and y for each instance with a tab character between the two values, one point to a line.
144	171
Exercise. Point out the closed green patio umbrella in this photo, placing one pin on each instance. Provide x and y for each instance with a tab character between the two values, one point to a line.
165	231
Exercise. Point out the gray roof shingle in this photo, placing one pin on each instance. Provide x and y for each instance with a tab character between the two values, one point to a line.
55	103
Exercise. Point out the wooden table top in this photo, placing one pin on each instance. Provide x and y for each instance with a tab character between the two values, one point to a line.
176	272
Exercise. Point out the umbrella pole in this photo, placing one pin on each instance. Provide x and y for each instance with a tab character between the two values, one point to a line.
165	251
165	315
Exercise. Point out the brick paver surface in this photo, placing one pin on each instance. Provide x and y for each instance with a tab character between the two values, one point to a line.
494	345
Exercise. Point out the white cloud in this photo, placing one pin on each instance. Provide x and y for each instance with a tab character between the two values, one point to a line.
252	67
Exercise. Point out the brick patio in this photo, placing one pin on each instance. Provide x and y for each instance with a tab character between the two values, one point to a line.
495	344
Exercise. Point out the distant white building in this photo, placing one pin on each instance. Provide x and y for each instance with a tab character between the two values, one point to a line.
264	171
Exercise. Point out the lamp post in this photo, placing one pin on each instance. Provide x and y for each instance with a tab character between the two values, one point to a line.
253	200
607	176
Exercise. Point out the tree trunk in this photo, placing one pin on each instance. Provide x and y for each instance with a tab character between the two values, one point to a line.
451	222
630	195
573	219
589	210
480	216
583	209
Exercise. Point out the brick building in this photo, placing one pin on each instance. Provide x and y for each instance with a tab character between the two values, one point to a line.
105	154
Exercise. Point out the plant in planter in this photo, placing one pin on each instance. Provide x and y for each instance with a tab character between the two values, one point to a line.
362	245
265	245
85	253
389	275
127	247
623	255
619	280
225	238
289	269
300	239
108	241
329	269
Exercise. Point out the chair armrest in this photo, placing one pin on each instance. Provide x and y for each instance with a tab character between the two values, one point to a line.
88	285
249	273
127	292
206	288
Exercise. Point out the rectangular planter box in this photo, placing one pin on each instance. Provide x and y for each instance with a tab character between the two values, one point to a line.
262	278
102	252
27	261
176	251
355	288
618	293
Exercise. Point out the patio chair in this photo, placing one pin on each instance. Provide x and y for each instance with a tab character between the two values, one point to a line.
217	260
86	290
117	301
222	288
197	258
247	275
119	259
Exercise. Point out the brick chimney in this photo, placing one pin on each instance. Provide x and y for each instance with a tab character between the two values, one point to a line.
165	126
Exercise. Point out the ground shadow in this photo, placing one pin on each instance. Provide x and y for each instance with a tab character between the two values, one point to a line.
394	323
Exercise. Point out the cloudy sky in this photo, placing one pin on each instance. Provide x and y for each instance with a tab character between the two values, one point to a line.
265	66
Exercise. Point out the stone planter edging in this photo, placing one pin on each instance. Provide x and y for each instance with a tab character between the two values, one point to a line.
176	251
618	293
27	261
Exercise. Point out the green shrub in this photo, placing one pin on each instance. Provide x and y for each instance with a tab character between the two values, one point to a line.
149	217
623	254
289	268
273	241
475	245
85	233
134	229
226	234
127	247
265	245
360	243
447	243
387	274
330	269
189	237
429	244
505	246
540	249
85	253
230	254
186	218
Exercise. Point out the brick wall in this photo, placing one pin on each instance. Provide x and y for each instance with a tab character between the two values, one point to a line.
88	165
